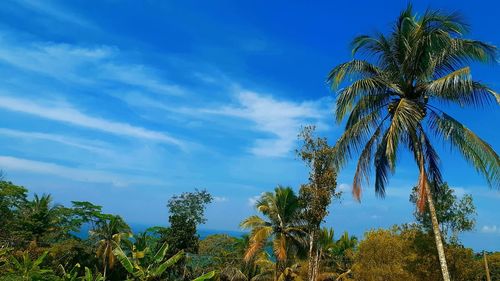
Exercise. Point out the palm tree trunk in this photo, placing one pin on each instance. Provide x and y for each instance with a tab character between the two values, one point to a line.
488	278
437	234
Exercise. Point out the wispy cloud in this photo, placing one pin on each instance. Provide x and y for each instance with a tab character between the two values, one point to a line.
68	114
50	9
84	65
220	199
253	200
141	76
281	119
490	229
8	163
54	138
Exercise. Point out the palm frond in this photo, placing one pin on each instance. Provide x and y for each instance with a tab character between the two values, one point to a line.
475	150
354	138
252	222
352	69
348	96
363	166
458	87
257	240
279	247
382	167
407	116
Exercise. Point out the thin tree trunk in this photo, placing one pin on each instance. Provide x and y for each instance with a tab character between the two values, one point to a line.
310	270
317	264
437	234
488	278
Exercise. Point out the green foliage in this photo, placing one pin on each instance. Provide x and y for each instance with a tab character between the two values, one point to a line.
12	198
454	215
407	253
282	209
108	233
186	212
381	256
91	276
403	252
27	268
144	264
218	251
71	275
316	196
206	276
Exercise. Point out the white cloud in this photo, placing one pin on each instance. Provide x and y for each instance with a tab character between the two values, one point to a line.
279	118
344	187
83	65
8	163
139	75
55	138
220	199
490	229
50	9
253	200
68	114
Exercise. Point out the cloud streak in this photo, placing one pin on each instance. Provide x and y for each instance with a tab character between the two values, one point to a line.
78	174
54	138
280	119
70	115
83	65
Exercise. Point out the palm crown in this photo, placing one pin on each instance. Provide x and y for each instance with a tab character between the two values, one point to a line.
282	210
394	98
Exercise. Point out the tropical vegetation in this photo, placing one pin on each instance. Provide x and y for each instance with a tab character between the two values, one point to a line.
393	94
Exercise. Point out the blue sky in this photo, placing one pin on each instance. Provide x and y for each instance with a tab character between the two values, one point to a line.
127	103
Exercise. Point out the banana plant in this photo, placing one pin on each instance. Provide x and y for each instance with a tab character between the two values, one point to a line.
72	275
89	276
142	271
206	276
27	268
4	257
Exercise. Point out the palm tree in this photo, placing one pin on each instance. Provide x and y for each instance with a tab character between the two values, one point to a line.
109	232
39	217
282	209
395	97
325	242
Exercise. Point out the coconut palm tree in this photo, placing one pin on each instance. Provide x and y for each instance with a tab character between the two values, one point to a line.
39	217
394	100
282	210
108	233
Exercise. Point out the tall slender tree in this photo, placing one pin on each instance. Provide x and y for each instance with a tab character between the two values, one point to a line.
317	194
394	100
